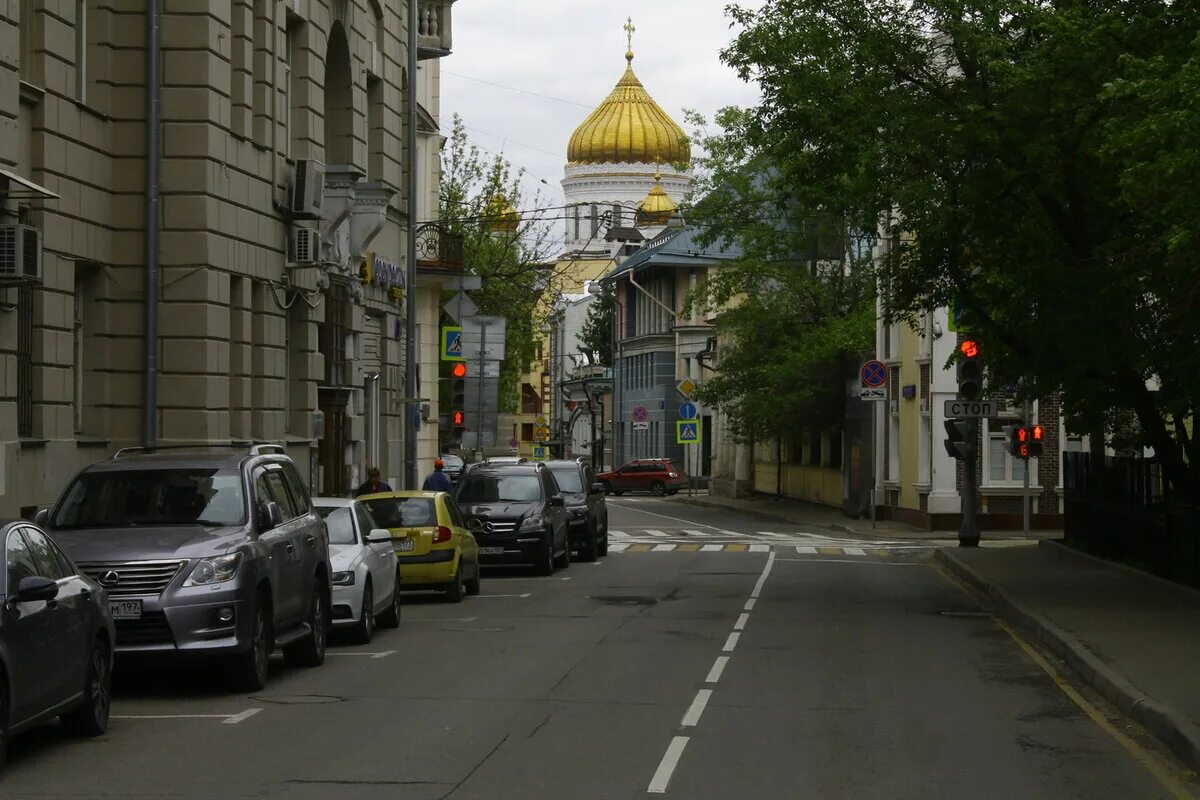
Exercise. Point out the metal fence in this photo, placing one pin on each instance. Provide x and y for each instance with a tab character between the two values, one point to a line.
1124	509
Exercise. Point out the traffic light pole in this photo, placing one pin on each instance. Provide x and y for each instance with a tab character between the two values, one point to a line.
479	405
968	531
1025	492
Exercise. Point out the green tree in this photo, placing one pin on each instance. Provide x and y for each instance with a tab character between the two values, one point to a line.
795	304
509	254
595	337
1033	160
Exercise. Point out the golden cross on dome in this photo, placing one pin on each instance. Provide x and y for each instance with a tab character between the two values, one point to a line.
629	31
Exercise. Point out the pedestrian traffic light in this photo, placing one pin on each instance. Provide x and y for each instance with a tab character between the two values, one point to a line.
1025	441
957	443
458	419
970	370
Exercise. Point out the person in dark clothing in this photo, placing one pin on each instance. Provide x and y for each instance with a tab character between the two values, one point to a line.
373	483
438	481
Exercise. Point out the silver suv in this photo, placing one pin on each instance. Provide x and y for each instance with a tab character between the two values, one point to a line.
207	551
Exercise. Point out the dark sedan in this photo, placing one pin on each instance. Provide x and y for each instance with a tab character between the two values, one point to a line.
56	635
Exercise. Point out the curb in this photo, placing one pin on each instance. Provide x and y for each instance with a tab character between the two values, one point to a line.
1180	735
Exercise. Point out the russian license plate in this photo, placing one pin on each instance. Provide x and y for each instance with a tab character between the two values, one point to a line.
492	551
405	545
126	609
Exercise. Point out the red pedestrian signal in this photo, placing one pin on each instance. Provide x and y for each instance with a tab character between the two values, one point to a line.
458	418
459	370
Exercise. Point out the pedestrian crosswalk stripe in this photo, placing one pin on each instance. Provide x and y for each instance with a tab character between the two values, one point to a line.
659	534
713	548
829	551
663	548
854	551
616	547
806	551
879	551
736	548
619	534
689	548
699	533
639	548
760	548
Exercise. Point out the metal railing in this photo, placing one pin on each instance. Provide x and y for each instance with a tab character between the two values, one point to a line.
437	247
1124	509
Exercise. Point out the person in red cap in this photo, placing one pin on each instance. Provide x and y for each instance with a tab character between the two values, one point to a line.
438	481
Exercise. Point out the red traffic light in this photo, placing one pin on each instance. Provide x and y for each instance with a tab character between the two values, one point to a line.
459	370
969	348
458	417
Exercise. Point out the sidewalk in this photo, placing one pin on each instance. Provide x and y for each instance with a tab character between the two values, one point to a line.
799	512
1131	636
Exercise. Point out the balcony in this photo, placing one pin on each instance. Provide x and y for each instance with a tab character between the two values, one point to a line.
438	249
433	29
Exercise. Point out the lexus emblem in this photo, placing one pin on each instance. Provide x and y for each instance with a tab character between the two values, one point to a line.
110	578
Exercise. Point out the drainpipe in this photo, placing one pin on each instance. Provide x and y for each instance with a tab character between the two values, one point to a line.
153	150
412	391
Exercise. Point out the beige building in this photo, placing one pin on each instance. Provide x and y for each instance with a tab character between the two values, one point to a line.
282	233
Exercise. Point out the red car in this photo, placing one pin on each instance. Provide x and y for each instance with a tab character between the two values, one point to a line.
655	475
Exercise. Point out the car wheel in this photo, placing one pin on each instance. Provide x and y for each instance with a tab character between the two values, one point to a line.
91	717
3	720
391	617
249	670
607	487
473	587
456	591
618	492
545	565
564	561
310	651
602	544
366	621
590	549
658	489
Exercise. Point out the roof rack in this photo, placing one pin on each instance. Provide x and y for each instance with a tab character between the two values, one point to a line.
252	448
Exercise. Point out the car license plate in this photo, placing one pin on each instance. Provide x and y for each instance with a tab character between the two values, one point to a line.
491	551
126	609
405	545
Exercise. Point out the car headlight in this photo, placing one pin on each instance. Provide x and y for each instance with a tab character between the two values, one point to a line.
217	569
577	513
532	523
343	578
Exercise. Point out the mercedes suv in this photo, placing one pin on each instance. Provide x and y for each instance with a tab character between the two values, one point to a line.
517	515
208	551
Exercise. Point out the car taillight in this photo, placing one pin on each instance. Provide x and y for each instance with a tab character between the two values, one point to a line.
442	534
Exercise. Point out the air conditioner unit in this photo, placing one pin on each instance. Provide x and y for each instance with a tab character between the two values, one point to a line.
305	246
308	189
20	253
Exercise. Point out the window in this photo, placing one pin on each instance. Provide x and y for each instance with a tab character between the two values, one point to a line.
20	561
25	360
262	62
1002	467
79	363
499	489
239	67
44	557
814	448
119	498
526	431
81	50
339	523
835	450
291	85
616	215
569	479
595	214
366	523
277	490
25	28
575	213
299	493
456	517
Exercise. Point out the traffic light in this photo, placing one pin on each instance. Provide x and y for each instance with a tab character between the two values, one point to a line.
970	370
1025	441
458	418
459	370
957	442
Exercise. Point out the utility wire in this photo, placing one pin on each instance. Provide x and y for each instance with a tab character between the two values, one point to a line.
515	89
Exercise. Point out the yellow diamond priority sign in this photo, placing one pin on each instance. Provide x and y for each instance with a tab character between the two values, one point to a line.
686	387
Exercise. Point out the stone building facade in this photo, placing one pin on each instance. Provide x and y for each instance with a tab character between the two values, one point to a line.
274	326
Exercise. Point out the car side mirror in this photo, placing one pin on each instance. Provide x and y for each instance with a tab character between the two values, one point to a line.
35	587
41	517
381	535
269	516
597	488
557	501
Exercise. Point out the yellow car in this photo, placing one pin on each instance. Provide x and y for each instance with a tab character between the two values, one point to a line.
434	549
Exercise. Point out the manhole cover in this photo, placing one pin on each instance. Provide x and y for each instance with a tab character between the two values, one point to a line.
298	699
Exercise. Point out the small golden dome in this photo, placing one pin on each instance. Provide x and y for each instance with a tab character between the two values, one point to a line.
658	207
500	216
628	128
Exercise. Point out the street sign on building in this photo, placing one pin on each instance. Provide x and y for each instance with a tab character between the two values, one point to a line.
687	431
959	409
686	387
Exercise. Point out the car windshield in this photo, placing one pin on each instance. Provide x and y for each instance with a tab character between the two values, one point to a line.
182	496
452	462
499	489
337	519
568	480
403	512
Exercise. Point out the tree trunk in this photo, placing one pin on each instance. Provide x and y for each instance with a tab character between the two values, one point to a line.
1167	449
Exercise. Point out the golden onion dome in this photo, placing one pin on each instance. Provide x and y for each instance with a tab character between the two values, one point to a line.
628	128
500	216
658	207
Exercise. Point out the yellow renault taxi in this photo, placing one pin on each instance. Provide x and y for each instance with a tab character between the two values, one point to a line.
434	549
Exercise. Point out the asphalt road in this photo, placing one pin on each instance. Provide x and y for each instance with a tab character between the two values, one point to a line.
680	672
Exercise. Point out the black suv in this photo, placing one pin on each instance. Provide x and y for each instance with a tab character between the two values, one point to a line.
517	515
587	511
203	551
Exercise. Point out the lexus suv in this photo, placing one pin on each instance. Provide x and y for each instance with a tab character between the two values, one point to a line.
587	511
517	515
207	551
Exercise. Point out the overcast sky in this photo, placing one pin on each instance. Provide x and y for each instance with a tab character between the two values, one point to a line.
574	50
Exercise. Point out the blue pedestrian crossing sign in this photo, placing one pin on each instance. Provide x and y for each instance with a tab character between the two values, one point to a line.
452	344
687	431
539	453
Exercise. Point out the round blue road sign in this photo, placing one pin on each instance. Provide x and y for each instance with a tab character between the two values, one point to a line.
873	374
687	410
